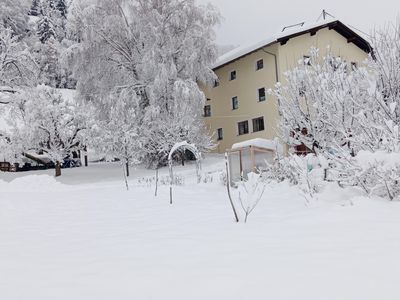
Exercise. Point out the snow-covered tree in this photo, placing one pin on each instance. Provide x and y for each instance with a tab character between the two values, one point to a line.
48	123
48	60
316	104
35	8
14	15
116	132
52	23
17	68
46	29
61	6
156	50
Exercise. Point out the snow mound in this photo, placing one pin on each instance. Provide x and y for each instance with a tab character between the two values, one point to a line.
32	183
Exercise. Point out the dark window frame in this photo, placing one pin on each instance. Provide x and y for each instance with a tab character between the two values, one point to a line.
232	75
207	111
260	64
260	97
235	103
243	130
258	126
220	134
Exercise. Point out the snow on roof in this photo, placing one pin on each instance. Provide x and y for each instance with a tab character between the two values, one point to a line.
251	47
258	142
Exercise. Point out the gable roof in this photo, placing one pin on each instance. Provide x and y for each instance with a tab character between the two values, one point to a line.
286	35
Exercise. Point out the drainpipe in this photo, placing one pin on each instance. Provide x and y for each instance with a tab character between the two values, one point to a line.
276	63
276	71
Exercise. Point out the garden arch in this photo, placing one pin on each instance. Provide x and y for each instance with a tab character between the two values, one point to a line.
183	146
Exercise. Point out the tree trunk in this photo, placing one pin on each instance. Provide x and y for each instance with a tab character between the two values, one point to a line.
58	169
155	193
86	157
183	158
127	169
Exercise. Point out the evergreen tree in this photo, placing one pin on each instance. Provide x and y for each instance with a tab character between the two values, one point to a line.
61	6
45	29
35	8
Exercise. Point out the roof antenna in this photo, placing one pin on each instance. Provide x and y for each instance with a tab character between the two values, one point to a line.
325	14
294	25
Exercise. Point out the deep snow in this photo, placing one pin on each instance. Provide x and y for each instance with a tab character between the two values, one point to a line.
78	239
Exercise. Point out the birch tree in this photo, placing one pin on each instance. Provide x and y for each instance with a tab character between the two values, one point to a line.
156	50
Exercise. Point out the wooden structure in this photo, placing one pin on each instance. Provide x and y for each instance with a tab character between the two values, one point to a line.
5	167
250	156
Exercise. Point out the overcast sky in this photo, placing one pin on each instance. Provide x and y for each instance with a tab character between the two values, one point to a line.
250	20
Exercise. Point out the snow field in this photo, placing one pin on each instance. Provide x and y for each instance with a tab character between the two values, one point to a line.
99	241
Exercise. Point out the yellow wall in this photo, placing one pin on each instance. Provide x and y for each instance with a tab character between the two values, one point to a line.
249	80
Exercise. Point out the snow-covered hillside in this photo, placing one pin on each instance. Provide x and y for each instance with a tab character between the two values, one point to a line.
85	240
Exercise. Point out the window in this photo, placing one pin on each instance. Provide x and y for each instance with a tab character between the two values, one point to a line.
307	60
220	134
232	76
216	83
258	124
208	99
261	94
207	111
243	127
260	64
235	103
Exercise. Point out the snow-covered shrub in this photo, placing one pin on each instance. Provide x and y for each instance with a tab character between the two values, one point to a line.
281	170
178	180
380	173
223	178
207	178
250	192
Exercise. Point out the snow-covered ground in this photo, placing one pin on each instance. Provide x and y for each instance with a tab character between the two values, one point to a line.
87	237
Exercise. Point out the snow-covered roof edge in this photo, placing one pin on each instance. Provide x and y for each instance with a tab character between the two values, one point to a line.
272	145
284	36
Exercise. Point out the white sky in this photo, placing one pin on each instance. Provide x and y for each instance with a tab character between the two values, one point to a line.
249	20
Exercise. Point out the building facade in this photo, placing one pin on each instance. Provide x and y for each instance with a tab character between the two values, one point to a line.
238	106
